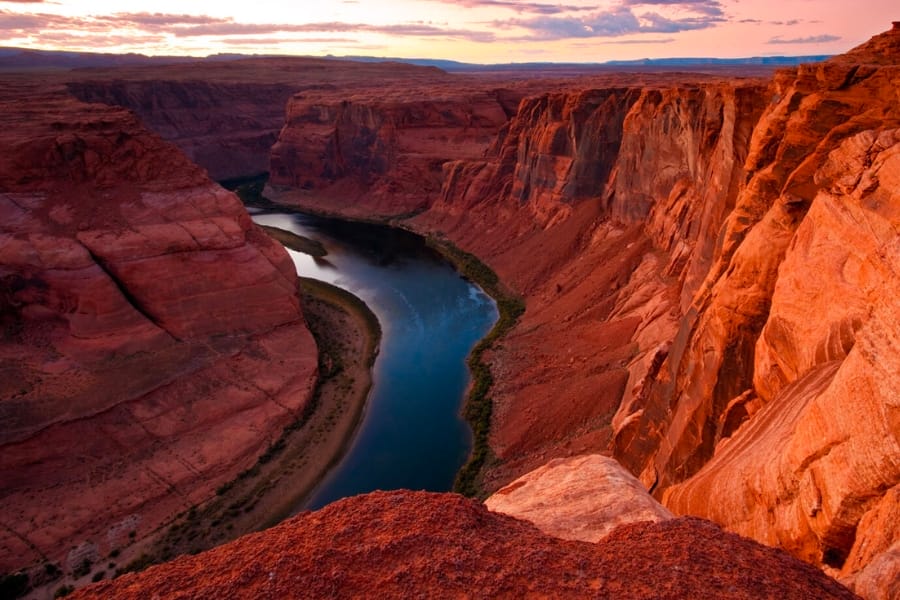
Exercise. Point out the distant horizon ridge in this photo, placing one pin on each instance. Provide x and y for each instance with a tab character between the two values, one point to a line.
12	57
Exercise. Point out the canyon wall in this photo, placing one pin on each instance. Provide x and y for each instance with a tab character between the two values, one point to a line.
225	115
615	197
227	127
779	409
153	343
709	269
387	148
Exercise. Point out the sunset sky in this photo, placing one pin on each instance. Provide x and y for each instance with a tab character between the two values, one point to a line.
480	31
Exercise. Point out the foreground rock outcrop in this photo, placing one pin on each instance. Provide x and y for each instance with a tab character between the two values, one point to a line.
153	344
417	544
581	498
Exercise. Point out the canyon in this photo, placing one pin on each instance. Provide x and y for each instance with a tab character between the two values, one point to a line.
709	266
671	242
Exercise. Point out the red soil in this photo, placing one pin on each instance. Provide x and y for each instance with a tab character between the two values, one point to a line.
416	544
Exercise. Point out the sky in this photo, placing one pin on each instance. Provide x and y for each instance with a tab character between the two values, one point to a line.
478	31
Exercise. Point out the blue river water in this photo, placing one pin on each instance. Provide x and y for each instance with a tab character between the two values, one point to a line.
412	435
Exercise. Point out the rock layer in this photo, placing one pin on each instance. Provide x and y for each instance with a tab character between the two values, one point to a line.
390	147
153	342
406	543
582	498
825	444
226	115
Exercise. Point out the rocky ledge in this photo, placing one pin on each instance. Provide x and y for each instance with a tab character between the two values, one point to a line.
416	544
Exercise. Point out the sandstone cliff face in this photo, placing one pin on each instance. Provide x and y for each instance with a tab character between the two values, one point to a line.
795	329
225	127
388	147
153	343
642	179
226	115
824	448
437	545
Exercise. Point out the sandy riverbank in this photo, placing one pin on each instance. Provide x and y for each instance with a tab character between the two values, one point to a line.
348	335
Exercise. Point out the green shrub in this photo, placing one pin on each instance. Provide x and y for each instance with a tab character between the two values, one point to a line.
13	585
52	570
82	569
479	406
139	564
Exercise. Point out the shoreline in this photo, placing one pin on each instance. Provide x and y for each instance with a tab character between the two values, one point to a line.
291	240
348	336
477	407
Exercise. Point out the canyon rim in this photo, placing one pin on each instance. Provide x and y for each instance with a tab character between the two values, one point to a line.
710	269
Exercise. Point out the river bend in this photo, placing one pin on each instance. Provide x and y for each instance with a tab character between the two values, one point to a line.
411	435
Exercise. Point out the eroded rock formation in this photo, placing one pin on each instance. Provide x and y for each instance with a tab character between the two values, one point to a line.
153	343
407	543
581	498
785	420
389	148
226	115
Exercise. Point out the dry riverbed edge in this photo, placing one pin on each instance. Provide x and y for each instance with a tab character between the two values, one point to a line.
348	336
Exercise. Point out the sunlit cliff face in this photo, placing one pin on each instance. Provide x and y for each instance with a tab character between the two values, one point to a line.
481	31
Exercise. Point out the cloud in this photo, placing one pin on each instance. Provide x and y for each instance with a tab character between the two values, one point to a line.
615	42
71	40
535	21
645	41
604	24
711	8
541	8
187	26
233	28
616	22
273	41
156	20
657	23
813	39
790	22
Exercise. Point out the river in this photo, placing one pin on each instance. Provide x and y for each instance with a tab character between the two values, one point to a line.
411	435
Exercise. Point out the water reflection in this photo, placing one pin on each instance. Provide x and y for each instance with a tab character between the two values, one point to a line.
411	436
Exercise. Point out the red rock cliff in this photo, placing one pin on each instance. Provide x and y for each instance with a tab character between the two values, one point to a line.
153	343
225	127
785	424
386	146
615	196
226	115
